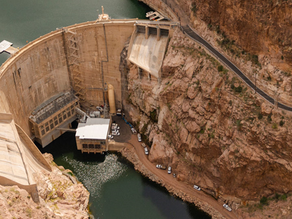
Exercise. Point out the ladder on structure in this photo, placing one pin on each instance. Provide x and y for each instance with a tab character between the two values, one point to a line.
72	44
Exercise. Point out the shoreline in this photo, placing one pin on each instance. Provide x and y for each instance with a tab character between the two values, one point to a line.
131	155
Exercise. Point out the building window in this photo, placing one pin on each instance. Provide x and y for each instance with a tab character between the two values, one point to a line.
84	145
97	146
60	118
91	146
51	124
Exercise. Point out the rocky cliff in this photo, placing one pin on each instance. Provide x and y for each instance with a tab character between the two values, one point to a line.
253	35
59	193
213	130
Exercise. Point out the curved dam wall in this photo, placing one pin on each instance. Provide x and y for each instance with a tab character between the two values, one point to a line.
83	57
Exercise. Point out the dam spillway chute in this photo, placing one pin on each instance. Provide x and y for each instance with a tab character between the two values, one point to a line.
148	46
20	159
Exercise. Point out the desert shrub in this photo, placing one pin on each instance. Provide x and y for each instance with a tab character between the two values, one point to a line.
275	126
220	68
194	7
283	197
264	200
269	118
153	116
238	89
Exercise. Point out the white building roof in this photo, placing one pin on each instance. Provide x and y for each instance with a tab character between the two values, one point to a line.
4	45
94	128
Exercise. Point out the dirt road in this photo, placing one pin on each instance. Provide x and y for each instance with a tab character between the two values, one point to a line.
168	179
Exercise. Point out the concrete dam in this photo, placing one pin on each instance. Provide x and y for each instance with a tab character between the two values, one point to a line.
43	83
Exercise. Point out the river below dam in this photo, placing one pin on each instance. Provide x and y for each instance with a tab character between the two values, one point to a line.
117	191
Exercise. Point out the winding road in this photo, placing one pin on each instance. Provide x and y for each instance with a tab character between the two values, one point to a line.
193	35
177	185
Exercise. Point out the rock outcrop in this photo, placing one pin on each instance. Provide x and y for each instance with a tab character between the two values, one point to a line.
213	130
59	193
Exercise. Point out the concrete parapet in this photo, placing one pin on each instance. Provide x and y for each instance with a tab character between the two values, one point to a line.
33	148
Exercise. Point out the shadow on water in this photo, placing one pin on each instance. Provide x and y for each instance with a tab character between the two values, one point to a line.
85	166
66	146
169	206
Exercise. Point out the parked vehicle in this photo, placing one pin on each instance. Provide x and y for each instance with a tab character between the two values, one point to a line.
119	112
143	145
169	170
197	188
146	150
116	132
99	108
227	207
159	166
110	136
139	137
174	175
133	131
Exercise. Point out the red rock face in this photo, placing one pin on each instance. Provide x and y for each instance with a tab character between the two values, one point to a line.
258	27
226	140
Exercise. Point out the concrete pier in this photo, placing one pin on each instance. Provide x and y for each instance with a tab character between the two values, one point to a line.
6	46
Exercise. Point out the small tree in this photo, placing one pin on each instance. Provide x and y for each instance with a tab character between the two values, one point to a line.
264	201
220	68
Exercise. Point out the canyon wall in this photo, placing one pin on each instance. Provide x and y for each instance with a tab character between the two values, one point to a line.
206	123
60	196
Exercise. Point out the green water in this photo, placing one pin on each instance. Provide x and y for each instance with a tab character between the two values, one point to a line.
26	20
117	191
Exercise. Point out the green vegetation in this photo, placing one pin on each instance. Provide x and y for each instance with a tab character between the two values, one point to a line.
220	68
269	118
264	201
28	212
129	100
281	123
236	89
238	124
275	126
153	116
194	7
255	59
283	197
260	116
144	128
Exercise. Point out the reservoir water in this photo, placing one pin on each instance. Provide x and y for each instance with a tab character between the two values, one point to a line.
117	191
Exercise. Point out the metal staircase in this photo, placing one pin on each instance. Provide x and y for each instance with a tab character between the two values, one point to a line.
72	43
